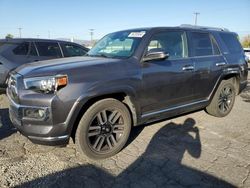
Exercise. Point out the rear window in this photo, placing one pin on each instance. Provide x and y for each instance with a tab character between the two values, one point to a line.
231	42
48	49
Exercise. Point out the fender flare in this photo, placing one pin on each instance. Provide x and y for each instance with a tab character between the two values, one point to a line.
129	100
227	74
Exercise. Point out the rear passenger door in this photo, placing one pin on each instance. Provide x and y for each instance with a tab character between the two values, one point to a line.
208	63
48	50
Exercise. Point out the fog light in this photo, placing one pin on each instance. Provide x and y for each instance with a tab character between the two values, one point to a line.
34	113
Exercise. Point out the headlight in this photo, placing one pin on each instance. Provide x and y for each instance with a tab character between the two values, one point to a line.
46	84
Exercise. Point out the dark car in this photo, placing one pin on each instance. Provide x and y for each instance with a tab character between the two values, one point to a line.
15	52
129	78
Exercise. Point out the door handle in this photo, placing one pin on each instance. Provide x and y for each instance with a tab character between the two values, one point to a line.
220	64
188	68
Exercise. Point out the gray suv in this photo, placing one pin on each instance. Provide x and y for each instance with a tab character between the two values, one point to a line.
15	52
127	79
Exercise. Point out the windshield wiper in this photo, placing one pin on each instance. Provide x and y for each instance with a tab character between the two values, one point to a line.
103	55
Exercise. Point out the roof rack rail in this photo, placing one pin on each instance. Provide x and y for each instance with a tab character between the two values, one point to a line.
203	27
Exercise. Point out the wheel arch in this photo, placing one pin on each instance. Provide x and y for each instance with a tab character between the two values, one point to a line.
83	104
227	76
235	76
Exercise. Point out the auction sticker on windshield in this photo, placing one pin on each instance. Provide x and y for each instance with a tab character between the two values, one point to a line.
137	34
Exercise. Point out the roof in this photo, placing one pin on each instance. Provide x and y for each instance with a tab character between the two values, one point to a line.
203	27
183	26
30	39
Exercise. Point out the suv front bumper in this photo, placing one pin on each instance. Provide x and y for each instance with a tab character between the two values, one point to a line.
38	131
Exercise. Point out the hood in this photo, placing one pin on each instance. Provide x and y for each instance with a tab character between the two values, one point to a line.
55	66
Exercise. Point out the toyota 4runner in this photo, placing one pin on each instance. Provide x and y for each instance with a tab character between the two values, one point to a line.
127	79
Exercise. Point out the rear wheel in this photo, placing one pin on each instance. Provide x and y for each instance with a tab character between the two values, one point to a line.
223	100
104	129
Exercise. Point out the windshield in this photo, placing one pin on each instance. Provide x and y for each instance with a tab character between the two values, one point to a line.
117	45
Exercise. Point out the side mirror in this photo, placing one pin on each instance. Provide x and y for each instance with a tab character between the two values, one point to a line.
155	54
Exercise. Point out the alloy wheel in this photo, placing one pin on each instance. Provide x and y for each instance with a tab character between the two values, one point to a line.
225	99
105	130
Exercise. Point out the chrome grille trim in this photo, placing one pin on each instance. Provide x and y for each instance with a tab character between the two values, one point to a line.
12	89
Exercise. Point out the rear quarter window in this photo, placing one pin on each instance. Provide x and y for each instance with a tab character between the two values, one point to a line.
7	45
232	43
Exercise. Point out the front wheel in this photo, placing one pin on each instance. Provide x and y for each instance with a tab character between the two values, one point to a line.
104	129
223	100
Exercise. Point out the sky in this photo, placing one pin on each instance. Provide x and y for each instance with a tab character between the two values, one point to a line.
74	18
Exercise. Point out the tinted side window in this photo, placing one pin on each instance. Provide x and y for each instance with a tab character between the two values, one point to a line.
231	42
201	44
22	49
49	49
172	42
70	50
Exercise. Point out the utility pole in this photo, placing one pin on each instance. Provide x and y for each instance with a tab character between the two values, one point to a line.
91	35
49	34
196	16
20	32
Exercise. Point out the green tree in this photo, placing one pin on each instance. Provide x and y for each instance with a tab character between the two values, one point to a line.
9	36
246	42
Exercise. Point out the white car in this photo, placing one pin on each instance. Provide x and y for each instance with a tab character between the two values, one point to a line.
247	53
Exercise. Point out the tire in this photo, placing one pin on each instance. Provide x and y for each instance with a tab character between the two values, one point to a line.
223	100
103	129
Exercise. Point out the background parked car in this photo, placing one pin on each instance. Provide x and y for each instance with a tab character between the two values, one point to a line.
15	52
247	54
